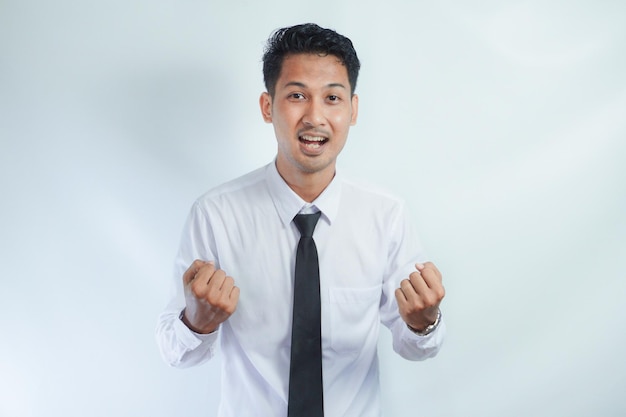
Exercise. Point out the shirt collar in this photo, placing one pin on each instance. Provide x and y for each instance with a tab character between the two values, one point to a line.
288	203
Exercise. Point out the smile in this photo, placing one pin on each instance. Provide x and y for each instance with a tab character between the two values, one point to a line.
312	142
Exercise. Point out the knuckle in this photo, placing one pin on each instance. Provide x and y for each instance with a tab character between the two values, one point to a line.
441	292
219	274
412	309
403	309
419	305
196	265
225	306
213	295
429	274
213	301
430	299
230	308
197	288
235	293
208	269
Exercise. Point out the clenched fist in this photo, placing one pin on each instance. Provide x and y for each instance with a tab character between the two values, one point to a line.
210	297
419	296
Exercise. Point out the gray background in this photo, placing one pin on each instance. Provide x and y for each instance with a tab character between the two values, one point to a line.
501	123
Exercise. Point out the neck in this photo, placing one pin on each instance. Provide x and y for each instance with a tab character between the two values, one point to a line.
307	185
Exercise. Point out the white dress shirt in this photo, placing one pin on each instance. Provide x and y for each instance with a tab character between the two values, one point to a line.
366	246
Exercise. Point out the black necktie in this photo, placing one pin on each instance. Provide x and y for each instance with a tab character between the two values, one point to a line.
305	373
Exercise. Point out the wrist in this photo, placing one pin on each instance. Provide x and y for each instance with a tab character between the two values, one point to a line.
183	317
429	328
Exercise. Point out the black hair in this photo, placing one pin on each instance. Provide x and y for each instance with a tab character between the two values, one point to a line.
307	38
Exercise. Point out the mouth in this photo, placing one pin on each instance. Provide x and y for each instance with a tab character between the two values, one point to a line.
312	142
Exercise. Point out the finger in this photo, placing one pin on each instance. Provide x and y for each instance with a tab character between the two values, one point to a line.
229	293
424	296
434	285
200	283
215	282
234	294
417	281
191	272
428	266
428	288
401	298
430	274
434	280
219	290
422	265
205	272
432	266
407	288
431	278
227	287
230	300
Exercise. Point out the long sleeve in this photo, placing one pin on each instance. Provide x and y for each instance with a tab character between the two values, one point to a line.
179	346
404	251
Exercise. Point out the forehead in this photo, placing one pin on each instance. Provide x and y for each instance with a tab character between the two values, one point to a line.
312	70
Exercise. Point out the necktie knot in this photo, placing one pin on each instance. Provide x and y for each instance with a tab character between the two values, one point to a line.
306	223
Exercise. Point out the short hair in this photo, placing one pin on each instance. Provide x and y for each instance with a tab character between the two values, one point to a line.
307	38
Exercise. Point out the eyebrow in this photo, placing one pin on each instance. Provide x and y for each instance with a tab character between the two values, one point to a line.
302	85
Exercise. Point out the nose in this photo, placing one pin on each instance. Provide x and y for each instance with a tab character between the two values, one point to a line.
314	114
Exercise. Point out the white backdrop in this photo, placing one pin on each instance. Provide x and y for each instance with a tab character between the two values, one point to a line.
502	124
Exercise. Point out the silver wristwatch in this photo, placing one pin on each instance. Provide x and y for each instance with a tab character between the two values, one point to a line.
430	328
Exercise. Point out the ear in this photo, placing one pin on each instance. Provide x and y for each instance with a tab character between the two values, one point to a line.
265	102
355	109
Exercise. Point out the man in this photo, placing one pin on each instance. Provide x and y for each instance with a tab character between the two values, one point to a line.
235	280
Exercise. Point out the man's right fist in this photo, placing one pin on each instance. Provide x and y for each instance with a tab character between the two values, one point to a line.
210	297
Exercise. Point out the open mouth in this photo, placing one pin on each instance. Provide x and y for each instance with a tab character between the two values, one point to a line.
312	142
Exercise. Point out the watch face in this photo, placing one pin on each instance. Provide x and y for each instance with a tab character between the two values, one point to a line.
428	330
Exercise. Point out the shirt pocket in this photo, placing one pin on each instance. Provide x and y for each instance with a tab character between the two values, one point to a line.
354	317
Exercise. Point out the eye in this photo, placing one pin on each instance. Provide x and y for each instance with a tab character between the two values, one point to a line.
296	96
333	98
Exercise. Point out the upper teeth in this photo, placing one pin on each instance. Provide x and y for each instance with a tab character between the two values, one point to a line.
313	138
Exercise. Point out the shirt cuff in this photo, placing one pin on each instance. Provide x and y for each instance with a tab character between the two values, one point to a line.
190	339
427	340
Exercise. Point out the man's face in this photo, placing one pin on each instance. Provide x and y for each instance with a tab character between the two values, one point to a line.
312	111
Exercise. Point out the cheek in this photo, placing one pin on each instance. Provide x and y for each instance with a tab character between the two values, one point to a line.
342	115
342	121
287	119
281	121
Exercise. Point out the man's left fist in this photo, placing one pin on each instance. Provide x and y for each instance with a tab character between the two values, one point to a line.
419	296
